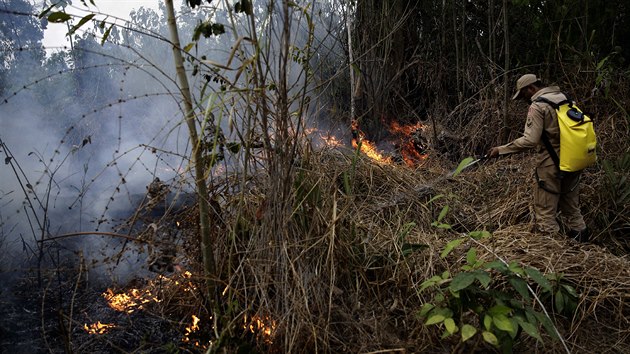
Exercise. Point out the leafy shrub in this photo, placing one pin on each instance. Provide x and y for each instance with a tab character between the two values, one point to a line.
493	302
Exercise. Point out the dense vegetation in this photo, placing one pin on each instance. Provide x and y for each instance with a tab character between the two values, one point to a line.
294	244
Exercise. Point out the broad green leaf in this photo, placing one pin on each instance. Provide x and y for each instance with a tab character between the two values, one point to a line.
570	290
471	256
59	17
496	265
539	278
559	301
218	29
514	331
477	235
515	268
499	310
483	277
430	282
443	213
521	287
529	329
450	246
462	281
503	323
437	318
467	332
450	326
546	322
490	338
188	47
426	308
81	23
531	316
443	226
487	322
462	165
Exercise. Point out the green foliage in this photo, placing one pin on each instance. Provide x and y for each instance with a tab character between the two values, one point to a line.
193	3
438	223
244	6
59	17
207	29
462	165
83	21
491	302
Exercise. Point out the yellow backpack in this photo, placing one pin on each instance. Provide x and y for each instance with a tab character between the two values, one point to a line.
577	137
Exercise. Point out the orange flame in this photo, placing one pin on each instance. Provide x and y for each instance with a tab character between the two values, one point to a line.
191	329
331	141
405	130
136	299
98	327
321	138
130	301
264	326
366	146
410	152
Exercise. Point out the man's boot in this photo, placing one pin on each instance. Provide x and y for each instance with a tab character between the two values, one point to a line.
581	236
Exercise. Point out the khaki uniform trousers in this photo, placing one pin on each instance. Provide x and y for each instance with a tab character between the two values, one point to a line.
553	195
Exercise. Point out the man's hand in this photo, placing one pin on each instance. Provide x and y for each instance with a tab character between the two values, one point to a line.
493	152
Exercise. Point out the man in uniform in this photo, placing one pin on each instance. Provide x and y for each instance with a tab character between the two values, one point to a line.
554	191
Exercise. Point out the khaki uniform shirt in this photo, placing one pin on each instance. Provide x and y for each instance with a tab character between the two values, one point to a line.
540	116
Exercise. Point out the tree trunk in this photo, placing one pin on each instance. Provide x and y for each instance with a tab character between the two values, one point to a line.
197	157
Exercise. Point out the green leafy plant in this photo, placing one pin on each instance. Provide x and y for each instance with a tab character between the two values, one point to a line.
492	302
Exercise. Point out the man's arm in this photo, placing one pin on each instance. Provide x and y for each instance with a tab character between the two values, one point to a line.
531	134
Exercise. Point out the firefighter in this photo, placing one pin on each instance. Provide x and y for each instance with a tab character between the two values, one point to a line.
554	191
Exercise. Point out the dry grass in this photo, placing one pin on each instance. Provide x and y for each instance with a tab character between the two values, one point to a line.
335	278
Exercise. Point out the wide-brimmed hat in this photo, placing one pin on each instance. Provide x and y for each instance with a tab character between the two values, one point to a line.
523	82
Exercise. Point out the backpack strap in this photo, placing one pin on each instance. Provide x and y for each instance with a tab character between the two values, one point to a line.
567	100
545	137
550	149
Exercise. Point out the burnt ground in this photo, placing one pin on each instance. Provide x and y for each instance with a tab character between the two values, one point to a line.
51	319
21	318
